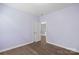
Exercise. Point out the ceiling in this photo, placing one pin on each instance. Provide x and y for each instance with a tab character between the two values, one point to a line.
38	9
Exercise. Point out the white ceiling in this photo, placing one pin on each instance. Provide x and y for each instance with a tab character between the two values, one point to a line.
38	8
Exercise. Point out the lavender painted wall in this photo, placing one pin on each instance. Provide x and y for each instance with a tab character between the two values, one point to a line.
63	27
16	27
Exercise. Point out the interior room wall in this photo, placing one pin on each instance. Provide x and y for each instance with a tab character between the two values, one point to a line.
63	27
16	27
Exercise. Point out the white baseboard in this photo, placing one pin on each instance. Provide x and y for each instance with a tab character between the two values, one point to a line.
72	49
32	42
19	45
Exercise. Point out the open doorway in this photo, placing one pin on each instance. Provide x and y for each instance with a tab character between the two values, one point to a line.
43	32
43	28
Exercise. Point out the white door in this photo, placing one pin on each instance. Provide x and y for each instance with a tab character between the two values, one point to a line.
37	30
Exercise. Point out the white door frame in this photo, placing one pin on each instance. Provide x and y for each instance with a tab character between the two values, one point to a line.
37	29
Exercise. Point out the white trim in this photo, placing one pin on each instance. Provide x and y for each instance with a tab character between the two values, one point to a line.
20	45
72	49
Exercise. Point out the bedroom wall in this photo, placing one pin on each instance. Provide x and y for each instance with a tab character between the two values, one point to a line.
16	27
63	27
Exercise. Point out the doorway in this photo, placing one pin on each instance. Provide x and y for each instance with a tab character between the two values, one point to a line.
43	33
43	28
40	32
